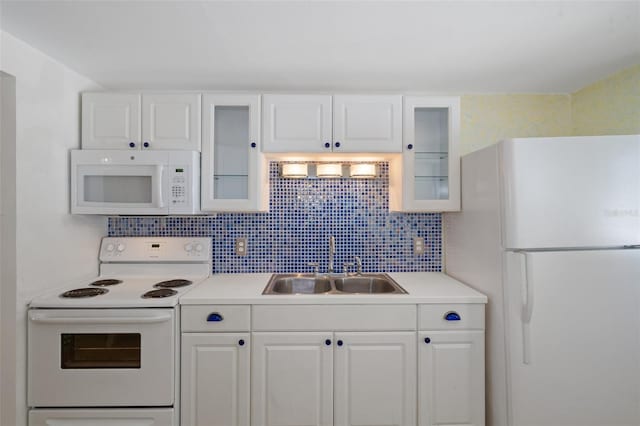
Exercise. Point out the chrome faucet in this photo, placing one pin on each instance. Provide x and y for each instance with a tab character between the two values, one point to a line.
332	252
358	265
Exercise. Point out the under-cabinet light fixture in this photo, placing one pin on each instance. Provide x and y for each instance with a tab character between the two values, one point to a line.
362	170
295	170
329	170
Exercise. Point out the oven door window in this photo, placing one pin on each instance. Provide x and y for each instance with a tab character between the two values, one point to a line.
110	350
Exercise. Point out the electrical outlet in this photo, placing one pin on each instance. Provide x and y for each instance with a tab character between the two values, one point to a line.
241	246
418	246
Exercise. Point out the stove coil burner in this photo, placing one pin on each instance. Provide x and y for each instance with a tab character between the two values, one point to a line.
105	283
84	292
173	283
161	292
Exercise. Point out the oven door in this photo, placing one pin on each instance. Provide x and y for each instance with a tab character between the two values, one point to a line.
119	183
101	357
103	417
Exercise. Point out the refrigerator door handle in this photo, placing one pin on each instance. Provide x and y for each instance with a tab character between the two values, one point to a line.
527	308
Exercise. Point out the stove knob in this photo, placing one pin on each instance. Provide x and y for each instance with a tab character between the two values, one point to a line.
199	247
188	247
109	247
120	247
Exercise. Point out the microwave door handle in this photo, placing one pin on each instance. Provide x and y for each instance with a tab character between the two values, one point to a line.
157	195
44	318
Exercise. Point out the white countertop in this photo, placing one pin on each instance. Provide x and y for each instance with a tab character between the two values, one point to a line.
422	287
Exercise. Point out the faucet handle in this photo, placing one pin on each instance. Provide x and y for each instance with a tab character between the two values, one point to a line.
358	265
346	266
316	267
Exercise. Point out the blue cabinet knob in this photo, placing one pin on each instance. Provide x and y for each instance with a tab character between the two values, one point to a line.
253	145
241	342
146	144
327	342
427	340
452	316
132	144
410	146
339	342
337	144
327	145
214	317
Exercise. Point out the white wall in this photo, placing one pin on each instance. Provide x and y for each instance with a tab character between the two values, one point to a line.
52	246
7	248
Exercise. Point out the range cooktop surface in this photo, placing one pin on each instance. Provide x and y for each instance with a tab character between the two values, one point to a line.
137	272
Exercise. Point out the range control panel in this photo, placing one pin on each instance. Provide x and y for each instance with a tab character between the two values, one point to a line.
160	249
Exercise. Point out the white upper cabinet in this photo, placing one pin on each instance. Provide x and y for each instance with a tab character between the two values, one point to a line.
296	123
367	123
165	121
322	123
110	121
429	176
171	121
234	173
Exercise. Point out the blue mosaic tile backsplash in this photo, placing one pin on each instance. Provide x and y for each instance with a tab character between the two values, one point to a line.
303	213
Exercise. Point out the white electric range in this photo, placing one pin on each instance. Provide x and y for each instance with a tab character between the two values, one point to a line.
105	351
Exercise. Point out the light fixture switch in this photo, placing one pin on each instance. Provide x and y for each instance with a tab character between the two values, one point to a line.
418	246
241	246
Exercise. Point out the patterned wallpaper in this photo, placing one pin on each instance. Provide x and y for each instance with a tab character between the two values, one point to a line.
608	107
487	119
302	216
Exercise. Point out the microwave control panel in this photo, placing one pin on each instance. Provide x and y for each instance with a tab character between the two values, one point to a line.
179	186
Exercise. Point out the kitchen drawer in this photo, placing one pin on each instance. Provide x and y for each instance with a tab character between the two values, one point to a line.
433	317
229	318
333	317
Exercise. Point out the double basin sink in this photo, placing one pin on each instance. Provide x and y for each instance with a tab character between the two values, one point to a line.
284	284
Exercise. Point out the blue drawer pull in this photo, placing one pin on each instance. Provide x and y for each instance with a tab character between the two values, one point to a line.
452	316
215	317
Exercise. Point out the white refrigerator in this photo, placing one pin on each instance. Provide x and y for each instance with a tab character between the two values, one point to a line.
550	232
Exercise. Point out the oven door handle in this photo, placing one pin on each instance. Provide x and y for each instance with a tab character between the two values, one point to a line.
151	319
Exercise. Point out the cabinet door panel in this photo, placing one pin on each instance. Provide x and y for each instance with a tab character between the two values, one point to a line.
296	123
215	379
292	379
451	384
430	160
110	121
366	123
375	379
171	121
234	172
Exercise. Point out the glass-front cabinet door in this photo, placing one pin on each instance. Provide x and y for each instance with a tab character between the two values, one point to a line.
234	172
431	161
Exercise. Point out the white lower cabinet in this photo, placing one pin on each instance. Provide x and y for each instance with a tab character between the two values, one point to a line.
215	379
322	378
324	365
292	379
451	384
375	379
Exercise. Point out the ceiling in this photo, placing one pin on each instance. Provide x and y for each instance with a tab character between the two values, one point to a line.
418	46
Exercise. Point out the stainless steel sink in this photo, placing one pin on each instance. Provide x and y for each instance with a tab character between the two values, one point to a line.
283	284
297	284
368	284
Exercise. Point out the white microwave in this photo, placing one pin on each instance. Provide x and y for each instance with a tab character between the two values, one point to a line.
135	183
